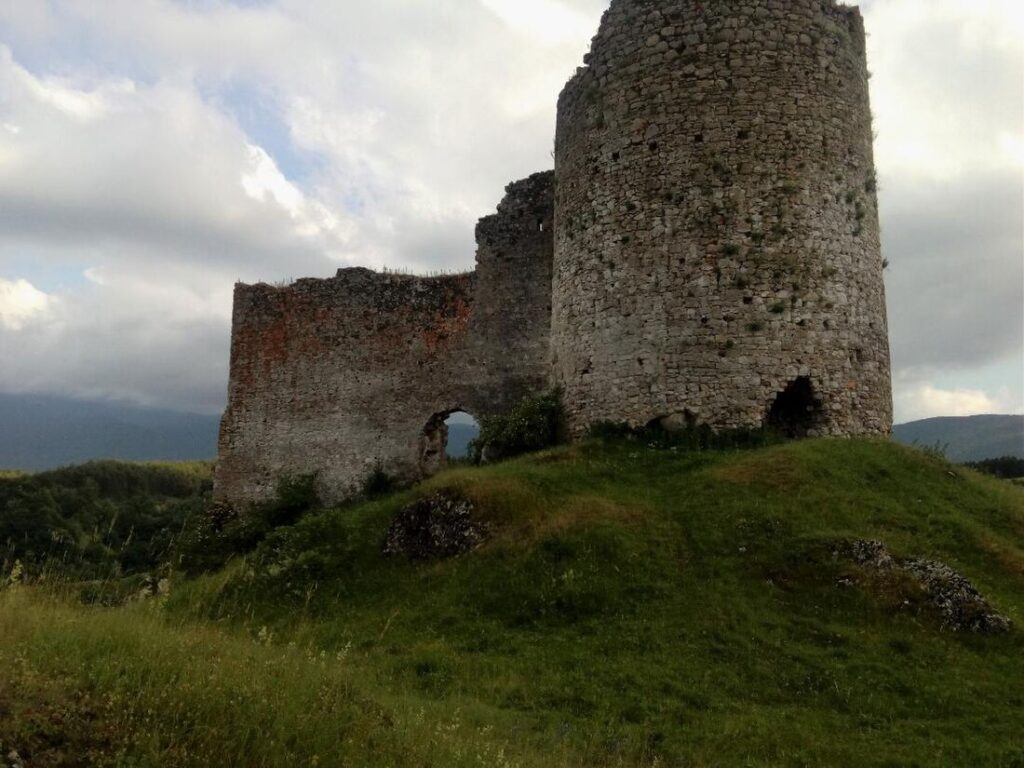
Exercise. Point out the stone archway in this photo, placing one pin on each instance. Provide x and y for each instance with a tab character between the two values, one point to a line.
434	448
797	411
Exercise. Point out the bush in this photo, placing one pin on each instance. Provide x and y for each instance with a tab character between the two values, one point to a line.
1006	467
532	425
295	495
378	483
218	533
698	438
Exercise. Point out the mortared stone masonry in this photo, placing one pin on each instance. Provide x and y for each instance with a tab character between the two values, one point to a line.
706	252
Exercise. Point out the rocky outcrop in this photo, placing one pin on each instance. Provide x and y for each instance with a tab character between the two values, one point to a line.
960	605
436	527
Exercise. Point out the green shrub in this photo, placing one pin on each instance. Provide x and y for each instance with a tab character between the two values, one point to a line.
218	533
611	430
1006	467
378	483
295	495
697	437
532	425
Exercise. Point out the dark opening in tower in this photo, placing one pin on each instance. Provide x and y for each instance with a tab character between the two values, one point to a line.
797	410
447	435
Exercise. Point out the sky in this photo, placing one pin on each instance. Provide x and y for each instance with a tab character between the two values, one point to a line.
154	152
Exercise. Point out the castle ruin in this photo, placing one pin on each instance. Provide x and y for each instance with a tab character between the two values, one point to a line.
706	252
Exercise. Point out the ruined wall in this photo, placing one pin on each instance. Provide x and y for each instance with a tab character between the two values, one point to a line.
341	375
710	255
717	233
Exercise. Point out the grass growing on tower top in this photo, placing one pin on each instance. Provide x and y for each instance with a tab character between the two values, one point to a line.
634	607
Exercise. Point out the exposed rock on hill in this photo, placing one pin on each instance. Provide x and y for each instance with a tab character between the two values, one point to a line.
435	527
958	602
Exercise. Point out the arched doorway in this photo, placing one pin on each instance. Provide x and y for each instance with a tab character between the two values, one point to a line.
797	410
446	437
462	430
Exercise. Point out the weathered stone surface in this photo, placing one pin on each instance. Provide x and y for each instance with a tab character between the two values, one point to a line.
716	233
436	527
337	377
958	602
709	255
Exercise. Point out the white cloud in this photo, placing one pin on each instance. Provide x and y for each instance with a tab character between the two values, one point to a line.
947	94
925	401
21	303
547	20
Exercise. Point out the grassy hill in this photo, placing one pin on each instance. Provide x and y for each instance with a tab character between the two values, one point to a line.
632	607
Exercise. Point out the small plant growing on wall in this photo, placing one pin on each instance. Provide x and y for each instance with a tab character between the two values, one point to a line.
871	184
532	425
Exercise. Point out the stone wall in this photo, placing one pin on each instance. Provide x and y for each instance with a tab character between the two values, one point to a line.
717	239
339	376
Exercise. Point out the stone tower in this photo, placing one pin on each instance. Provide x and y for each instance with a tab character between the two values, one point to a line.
717	255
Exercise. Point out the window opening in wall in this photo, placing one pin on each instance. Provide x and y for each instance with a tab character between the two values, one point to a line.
797	410
445	438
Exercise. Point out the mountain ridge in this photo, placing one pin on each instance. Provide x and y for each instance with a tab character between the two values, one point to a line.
39	432
967	438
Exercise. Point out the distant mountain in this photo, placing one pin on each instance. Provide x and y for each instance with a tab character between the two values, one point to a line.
459	437
967	438
39	432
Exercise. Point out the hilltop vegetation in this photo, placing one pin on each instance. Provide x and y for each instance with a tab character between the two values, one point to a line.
633	605
100	520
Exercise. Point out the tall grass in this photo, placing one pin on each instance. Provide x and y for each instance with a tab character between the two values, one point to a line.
180	694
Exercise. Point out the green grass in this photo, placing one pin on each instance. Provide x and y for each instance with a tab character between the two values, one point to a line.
634	607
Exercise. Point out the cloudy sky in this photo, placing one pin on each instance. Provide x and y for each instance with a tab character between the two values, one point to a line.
153	152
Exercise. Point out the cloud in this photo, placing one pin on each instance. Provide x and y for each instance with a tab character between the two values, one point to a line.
949	107
160	149
20	303
137	164
956	284
947	94
547	20
926	401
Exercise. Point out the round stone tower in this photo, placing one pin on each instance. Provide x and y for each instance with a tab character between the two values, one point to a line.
717	256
